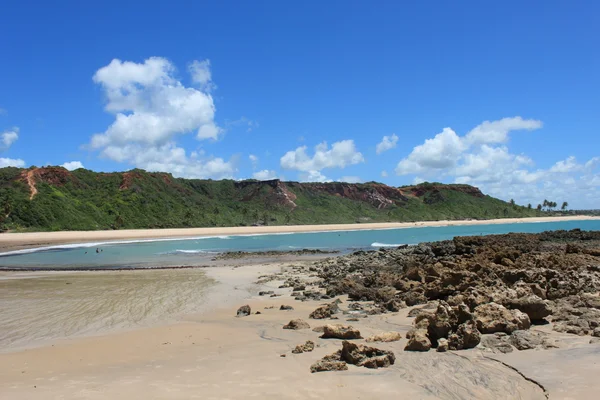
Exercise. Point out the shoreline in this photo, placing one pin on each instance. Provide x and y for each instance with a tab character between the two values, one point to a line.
31	240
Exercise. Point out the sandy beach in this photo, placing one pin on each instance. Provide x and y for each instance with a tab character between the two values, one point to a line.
18	241
214	355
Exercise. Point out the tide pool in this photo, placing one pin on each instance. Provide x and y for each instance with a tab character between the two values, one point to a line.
197	251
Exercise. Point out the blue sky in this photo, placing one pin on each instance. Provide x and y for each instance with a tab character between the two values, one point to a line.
237	89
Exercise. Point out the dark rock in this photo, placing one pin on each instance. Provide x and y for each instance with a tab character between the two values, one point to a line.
244	311
286	308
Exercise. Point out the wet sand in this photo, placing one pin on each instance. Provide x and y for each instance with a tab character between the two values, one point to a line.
19	241
214	355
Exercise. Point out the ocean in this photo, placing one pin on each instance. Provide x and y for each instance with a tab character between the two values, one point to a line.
200	250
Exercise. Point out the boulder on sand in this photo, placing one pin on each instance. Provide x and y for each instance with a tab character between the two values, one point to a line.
286	308
325	311
324	365
296	324
365	356
417	340
356	354
340	332
244	311
304	348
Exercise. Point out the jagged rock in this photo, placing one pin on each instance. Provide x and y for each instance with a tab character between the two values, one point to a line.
286	308
325	311
304	348
493	317
296	324
385	337
244	311
442	345
266	293
322	366
418	341
340	332
365	356
535	307
466	337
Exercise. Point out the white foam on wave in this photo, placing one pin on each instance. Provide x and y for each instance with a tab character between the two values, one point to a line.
107	243
181	251
377	244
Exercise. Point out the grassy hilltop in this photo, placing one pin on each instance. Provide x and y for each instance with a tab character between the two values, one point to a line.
52	198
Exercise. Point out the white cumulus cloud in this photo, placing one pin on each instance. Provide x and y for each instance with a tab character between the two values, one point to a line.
152	108
265	175
387	143
313	176
73	165
11	162
483	158
9	137
497	131
340	155
253	159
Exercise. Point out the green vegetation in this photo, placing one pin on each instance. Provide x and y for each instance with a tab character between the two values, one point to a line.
86	200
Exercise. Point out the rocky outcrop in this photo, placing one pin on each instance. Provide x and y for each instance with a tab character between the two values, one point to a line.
296	324
531	274
340	332
244	311
492	317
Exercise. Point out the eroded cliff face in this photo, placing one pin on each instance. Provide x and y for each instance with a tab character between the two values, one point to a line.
377	195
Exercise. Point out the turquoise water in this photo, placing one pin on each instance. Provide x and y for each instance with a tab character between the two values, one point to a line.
197	251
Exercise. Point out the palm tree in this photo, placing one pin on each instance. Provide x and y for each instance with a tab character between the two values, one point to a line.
539	207
529	206
512	202
546	203
564	205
